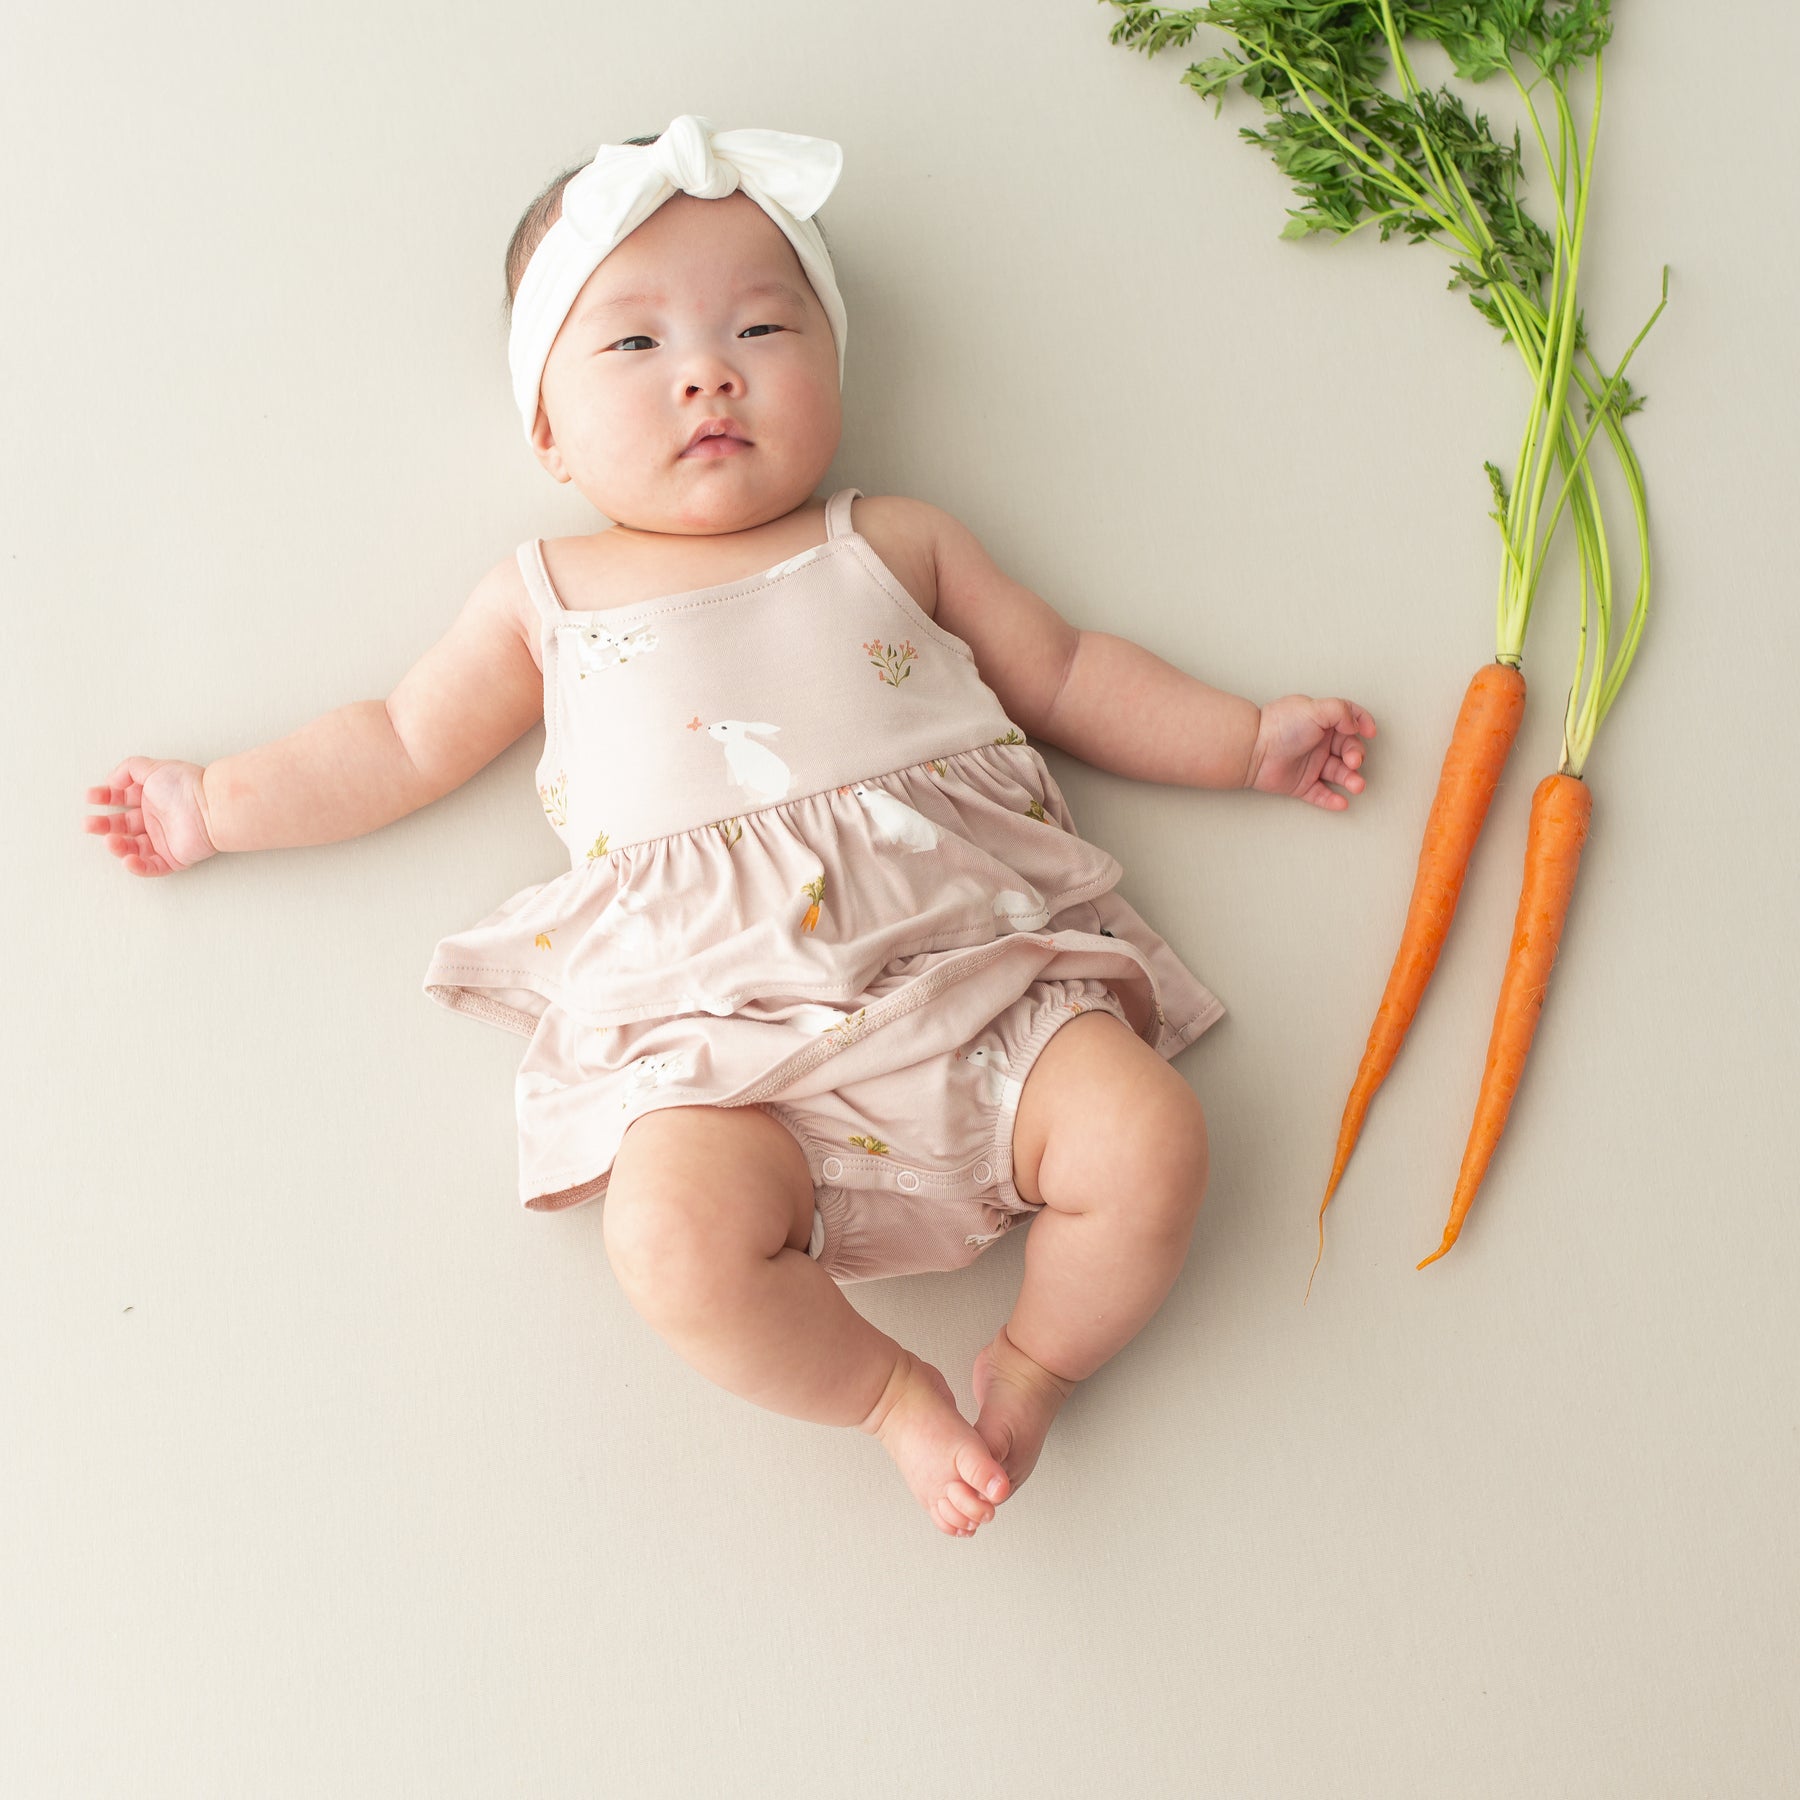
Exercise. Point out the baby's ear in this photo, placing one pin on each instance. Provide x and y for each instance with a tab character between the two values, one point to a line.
543	445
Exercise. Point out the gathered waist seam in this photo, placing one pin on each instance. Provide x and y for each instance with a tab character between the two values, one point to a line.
796	799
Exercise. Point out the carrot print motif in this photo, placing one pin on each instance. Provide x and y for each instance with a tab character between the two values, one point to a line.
873	1145
816	889
891	665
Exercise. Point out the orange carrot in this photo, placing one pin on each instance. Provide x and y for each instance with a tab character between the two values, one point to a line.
1560	810
1479	745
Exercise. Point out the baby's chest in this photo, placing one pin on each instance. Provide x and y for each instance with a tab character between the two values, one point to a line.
908	558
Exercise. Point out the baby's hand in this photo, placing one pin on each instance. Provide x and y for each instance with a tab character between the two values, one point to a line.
163	827
1301	744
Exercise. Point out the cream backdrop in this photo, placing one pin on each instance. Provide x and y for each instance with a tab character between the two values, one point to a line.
329	1470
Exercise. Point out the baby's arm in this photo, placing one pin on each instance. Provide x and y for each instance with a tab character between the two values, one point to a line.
1116	705
352	770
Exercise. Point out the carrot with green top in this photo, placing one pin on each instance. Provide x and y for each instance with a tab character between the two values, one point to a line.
1415	162
1561	813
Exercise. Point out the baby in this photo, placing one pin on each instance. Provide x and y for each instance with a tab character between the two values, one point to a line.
832	989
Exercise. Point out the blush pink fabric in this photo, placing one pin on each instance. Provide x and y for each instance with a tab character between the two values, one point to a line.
808	849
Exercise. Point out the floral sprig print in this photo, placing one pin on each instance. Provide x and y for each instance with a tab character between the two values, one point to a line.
1013	736
1036	811
598	848
873	1145
848	1028
891	665
729	829
555	799
815	889
542	940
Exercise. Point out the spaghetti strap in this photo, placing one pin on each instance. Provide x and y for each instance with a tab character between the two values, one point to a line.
837	513
537	581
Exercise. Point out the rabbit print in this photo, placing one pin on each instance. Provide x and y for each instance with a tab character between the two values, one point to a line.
597	647
753	767
894	821
645	1074
990	1068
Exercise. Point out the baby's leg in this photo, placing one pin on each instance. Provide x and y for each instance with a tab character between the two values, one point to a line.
1111	1141
706	1218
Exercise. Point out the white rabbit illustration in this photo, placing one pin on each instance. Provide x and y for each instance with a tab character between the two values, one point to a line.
598	648
629	931
647	1073
894	821
751	766
1022	912
991	1066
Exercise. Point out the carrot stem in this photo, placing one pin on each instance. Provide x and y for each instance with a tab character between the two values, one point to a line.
1561	809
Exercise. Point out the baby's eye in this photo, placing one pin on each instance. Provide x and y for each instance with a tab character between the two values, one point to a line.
640	337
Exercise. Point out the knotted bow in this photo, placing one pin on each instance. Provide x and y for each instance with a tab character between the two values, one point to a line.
788	176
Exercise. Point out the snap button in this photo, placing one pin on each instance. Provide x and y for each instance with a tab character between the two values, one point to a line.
983	1172
831	1168
908	1180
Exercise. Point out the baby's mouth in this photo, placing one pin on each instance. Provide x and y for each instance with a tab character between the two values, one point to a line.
719	444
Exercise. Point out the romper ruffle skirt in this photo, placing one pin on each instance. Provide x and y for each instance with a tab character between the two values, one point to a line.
807	847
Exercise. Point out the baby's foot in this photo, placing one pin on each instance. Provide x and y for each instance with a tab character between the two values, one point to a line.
945	1463
1017	1399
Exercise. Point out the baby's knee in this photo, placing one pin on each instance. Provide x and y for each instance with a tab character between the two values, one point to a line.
661	1253
699	1198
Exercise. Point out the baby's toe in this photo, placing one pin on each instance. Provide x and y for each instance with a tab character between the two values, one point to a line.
975	1463
948	1520
968	1503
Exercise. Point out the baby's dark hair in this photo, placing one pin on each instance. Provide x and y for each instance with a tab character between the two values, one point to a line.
543	212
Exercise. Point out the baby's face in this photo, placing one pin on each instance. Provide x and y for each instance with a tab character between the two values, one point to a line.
628	379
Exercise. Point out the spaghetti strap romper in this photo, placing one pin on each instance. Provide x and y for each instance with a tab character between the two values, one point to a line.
814	868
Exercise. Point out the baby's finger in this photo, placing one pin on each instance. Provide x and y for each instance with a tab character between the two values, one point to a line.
129	823
1335	772
141	857
107	796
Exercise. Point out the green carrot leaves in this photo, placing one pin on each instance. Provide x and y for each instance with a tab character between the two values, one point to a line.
1417	163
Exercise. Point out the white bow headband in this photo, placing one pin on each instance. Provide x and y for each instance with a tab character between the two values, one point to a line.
788	176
